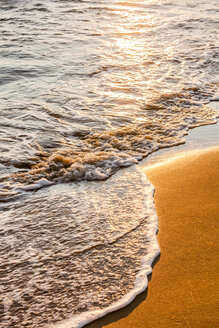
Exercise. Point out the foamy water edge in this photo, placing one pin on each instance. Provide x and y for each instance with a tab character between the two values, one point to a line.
141	282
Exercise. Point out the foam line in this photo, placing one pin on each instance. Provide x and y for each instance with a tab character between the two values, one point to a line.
141	282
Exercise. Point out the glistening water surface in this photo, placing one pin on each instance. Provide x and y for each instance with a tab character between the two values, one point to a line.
87	88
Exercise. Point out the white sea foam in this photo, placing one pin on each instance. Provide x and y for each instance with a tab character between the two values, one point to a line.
82	234
141	282
34	186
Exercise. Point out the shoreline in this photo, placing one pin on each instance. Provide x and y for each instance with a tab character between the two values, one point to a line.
199	138
183	289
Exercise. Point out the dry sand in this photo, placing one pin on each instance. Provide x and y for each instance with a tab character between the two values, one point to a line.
184	289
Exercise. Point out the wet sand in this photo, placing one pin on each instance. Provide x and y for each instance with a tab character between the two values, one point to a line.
184	289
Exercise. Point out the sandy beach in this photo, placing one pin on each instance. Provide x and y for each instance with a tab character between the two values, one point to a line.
184	287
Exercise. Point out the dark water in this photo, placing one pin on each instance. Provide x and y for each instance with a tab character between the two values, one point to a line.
87	88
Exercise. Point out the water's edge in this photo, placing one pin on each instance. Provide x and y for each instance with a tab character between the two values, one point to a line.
141	283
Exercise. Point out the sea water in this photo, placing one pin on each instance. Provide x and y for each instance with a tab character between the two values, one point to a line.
88	89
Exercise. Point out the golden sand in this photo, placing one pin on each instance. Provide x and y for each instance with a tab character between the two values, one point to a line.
184	289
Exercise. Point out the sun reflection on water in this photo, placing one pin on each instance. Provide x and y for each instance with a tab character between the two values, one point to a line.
129	43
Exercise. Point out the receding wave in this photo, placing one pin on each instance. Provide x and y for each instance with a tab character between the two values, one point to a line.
98	155
63	250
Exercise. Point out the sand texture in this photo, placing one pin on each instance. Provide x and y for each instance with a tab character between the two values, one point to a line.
184	289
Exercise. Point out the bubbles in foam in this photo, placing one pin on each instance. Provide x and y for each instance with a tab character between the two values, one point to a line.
100	154
65	248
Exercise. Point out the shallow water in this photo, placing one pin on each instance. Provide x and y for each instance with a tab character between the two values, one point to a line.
89	88
68	250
